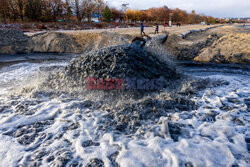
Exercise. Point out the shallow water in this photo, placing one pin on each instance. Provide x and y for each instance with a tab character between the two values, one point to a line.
67	131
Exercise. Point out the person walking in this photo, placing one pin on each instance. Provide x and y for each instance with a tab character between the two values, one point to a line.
142	29
157	28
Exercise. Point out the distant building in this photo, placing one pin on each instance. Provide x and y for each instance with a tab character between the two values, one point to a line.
95	18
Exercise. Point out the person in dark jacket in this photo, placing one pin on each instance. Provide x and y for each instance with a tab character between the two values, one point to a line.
142	29
157	28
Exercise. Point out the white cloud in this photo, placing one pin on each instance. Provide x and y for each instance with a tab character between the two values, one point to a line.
216	8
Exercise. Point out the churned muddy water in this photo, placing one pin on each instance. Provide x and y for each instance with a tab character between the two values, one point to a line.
205	122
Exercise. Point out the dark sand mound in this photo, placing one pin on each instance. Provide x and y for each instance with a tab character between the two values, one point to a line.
126	61
14	42
188	48
141	71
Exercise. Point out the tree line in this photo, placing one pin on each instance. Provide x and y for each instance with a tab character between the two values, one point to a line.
66	10
164	14
49	10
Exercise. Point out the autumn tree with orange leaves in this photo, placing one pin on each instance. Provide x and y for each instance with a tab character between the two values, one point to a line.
162	14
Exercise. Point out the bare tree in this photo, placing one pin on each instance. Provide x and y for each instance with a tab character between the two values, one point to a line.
67	9
20	6
85	8
34	9
56	7
88	7
77	9
100	5
3	9
13	10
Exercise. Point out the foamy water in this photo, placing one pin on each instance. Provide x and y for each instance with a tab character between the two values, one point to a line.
66	131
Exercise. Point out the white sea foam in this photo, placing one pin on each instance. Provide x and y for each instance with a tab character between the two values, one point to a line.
64	131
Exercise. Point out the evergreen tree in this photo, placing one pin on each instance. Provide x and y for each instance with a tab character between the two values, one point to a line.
107	15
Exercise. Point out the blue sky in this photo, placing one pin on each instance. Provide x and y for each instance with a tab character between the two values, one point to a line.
216	8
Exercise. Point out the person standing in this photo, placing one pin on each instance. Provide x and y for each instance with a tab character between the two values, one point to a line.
142	29
157	28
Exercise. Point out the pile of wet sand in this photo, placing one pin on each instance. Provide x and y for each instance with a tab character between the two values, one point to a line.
14	42
230	48
55	42
125	62
93	41
77	42
188	49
